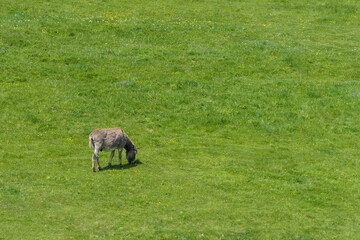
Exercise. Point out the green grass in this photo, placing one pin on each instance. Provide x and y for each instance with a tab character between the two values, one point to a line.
247	112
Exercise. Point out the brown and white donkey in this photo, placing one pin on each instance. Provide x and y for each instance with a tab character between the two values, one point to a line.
108	140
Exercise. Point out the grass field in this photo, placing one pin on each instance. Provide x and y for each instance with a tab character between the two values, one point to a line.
247	113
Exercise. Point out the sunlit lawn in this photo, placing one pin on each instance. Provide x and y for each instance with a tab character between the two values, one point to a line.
246	111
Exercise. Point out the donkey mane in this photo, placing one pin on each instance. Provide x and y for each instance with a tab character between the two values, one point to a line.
129	144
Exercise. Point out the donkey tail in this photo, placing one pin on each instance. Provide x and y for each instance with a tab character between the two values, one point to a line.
91	142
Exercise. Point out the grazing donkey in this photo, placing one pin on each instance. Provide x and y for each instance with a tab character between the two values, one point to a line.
111	139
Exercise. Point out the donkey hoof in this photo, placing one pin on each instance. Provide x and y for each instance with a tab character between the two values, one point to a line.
100	168
121	166
93	170
109	165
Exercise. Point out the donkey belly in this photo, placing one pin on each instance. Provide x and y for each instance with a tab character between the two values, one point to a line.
107	149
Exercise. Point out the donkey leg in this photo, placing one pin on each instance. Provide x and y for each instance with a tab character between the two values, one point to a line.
98	159
120	156
94	158
111	157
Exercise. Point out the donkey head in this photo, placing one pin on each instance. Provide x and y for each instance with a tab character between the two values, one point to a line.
131	154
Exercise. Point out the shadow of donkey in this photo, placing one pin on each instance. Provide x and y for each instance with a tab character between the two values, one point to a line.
126	166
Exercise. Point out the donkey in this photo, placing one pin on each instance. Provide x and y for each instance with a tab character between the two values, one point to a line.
111	139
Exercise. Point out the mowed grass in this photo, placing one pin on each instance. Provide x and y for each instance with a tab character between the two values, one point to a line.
247	113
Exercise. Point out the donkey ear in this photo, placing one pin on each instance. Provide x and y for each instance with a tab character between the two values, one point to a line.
137	148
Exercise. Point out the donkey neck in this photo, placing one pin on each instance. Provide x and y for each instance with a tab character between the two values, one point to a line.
129	145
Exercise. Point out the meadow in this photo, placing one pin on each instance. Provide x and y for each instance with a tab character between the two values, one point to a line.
247	113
